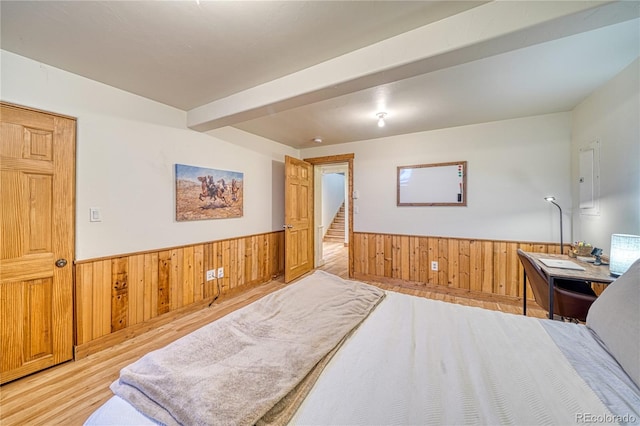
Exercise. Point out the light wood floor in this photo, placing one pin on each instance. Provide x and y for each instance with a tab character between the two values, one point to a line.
68	393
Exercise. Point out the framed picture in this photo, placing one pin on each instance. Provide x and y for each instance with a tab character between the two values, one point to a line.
440	184
203	193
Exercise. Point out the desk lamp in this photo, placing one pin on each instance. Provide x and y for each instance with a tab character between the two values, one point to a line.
625	249
552	201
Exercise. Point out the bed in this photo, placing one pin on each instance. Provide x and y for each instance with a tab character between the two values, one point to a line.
390	359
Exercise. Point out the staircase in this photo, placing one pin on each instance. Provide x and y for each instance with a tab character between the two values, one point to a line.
335	233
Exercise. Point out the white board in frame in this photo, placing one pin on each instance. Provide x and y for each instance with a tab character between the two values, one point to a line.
438	184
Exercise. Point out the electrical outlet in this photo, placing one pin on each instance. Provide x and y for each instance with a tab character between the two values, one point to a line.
434	266
220	272
211	274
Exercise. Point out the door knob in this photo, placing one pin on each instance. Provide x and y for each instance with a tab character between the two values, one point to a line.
61	263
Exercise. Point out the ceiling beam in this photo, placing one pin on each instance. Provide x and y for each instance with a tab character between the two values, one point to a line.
484	31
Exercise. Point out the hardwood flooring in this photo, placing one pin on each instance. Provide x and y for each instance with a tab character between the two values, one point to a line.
336	257
68	393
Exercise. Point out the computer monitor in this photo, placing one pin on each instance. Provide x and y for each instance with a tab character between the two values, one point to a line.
625	249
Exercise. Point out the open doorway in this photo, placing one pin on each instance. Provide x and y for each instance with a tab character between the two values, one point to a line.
333	213
331	207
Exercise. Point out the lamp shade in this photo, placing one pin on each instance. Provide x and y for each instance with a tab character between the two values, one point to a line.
625	249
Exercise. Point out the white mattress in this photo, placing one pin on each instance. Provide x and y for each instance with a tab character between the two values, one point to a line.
419	361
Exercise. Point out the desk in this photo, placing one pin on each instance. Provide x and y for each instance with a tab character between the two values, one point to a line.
592	273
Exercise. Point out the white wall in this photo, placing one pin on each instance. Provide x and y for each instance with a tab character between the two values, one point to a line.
512	166
127	148
612	115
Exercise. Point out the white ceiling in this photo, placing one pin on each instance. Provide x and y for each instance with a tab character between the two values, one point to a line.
292	71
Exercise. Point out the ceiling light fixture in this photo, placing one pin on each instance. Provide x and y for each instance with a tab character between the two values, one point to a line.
381	116
317	140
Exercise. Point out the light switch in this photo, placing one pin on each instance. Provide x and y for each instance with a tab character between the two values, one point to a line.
95	215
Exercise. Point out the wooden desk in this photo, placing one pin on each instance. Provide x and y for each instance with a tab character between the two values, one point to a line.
592	273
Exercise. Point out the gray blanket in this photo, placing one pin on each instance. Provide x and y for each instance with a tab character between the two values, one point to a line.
234	370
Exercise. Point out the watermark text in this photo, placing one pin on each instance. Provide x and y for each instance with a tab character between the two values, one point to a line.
605	418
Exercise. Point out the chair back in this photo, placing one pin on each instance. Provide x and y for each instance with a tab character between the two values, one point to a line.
570	298
538	280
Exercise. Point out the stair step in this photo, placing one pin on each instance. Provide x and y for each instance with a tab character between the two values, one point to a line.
335	233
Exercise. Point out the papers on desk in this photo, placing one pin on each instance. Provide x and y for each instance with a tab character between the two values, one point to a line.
564	264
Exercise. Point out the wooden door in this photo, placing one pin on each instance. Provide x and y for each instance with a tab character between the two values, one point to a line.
37	163
298	218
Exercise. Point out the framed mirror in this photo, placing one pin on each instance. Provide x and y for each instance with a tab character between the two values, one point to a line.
439	184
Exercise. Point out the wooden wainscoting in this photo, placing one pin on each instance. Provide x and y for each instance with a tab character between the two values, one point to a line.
485	266
122	296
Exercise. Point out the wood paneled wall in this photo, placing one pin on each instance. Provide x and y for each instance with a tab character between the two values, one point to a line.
121	296
486	266
117	293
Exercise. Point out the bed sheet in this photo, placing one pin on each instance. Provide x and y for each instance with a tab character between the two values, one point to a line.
420	361
402	366
598	368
